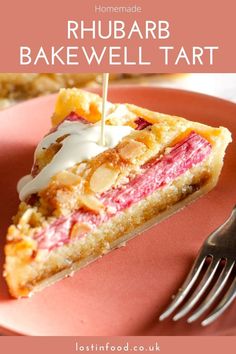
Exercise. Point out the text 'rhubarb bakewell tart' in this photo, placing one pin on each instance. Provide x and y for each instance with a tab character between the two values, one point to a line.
82	199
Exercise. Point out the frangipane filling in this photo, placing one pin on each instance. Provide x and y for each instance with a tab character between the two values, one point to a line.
153	175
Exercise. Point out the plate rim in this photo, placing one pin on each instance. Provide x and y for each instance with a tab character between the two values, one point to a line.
118	87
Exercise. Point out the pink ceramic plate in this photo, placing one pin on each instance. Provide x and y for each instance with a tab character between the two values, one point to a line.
124	292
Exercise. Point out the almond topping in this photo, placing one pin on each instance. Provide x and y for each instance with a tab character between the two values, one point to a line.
103	178
67	178
79	229
91	202
132	150
26	216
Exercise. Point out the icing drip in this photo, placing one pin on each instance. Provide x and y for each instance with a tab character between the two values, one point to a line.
81	144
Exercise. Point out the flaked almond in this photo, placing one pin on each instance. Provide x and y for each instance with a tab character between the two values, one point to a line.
103	178
67	178
91	202
79	229
26	216
132	150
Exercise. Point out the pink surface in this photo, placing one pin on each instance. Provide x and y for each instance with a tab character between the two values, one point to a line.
124	292
193	25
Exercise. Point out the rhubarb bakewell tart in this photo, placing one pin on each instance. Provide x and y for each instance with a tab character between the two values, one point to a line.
83	199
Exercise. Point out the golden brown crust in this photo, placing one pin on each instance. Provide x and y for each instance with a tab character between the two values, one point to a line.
84	103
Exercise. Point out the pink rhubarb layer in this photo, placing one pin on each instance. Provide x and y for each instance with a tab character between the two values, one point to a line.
154	175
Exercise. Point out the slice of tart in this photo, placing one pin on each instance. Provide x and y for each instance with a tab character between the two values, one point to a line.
83	199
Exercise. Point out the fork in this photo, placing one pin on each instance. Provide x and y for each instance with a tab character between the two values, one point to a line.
218	247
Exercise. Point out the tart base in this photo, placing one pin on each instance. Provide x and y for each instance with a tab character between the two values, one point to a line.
121	241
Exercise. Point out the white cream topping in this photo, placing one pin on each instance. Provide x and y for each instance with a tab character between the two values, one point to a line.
81	144
23	181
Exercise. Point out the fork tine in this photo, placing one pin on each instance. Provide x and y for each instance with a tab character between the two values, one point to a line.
186	286
214	293
199	290
223	305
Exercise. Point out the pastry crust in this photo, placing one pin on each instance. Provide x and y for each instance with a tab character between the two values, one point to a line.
28	268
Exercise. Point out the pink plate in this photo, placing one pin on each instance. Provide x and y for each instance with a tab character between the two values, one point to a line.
124	292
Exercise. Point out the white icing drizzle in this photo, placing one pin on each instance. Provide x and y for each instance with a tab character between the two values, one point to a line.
105	79
81	144
23	181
